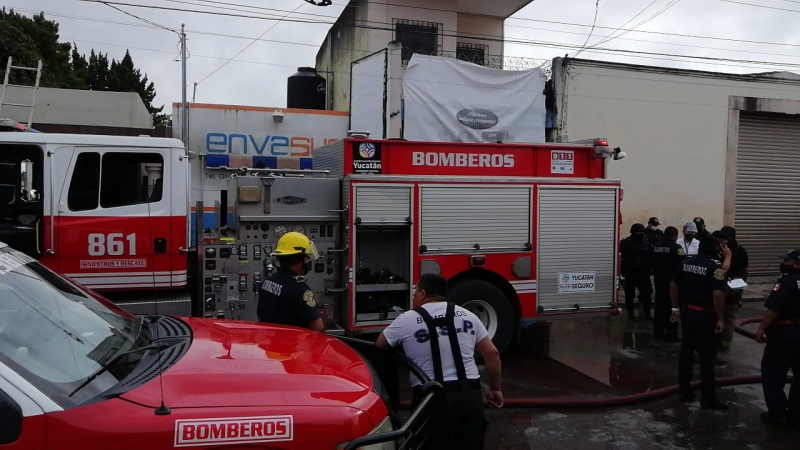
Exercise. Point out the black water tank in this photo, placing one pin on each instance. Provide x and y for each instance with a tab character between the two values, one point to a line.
306	89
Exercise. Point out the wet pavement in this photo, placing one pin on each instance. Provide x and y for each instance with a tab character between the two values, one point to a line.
608	356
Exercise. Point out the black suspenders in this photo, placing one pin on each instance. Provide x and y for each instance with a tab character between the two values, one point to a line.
448	321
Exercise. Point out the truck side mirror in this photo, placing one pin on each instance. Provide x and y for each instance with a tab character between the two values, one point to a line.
11	424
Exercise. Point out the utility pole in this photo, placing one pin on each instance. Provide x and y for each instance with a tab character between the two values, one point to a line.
184	105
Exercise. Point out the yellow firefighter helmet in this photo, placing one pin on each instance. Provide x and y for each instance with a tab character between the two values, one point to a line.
294	243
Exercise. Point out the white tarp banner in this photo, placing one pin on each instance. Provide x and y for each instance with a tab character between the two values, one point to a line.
367	101
448	100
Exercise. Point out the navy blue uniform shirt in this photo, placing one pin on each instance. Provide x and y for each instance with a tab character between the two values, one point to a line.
785	297
667	257
697	278
635	256
284	300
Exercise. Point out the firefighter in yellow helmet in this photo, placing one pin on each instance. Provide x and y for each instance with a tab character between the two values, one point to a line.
285	298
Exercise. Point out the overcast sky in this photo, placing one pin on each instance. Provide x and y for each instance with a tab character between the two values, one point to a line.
258	75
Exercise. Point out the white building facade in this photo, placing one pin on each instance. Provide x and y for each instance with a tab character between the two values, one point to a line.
720	146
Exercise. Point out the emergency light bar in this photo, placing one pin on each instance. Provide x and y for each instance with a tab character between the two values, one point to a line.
603	150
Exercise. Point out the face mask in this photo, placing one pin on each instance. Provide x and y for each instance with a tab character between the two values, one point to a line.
787	268
654	227
637	237
307	267
688	237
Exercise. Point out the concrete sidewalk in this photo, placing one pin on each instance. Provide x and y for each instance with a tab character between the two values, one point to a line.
758	288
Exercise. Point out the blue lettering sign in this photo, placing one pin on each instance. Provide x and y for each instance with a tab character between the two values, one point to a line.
266	145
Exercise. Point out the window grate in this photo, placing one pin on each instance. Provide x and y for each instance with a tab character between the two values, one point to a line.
470	52
417	37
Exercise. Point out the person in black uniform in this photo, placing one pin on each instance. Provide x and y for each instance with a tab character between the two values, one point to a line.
285	298
653	233
740	260
635	252
698	302
667	257
781	324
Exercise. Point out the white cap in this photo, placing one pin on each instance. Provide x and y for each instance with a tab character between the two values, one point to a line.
690	227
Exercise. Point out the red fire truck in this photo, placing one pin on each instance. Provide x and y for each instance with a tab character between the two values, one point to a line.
522	232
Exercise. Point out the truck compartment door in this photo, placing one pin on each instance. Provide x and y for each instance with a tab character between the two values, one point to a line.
381	252
114	219
576	248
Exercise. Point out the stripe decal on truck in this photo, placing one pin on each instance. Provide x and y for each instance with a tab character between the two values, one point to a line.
101	280
524	286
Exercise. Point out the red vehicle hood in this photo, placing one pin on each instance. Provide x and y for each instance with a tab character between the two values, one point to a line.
241	364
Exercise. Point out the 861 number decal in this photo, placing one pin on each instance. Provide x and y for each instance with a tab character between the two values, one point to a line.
111	244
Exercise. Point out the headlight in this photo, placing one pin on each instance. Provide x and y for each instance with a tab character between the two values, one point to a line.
384	427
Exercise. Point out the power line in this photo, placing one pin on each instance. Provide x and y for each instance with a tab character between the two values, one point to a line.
527	19
762	6
745	41
246	47
656	58
739	63
629	21
136	17
559	45
594	22
210	33
658	13
380	76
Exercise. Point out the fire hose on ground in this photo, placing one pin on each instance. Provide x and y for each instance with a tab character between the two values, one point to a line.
562	403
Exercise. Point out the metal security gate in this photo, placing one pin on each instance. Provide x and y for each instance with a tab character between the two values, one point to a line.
577	248
767	188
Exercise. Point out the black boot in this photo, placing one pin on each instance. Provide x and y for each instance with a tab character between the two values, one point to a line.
687	396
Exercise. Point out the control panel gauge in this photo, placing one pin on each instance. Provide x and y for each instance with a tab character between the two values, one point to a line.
299	229
279	231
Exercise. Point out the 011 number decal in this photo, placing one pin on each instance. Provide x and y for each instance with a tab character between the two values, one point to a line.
111	244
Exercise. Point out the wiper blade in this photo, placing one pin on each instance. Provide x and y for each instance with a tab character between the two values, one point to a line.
107	365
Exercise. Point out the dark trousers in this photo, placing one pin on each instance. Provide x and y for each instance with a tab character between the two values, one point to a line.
467	421
781	354
642	283
662	327
698	336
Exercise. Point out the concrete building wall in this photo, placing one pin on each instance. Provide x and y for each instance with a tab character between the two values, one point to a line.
375	32
482	30
441	12
343	45
675	126
78	107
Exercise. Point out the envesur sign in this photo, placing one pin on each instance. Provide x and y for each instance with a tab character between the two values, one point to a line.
262	144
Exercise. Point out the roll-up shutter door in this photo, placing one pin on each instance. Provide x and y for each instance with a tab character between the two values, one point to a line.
577	248
383	204
768	188
455	218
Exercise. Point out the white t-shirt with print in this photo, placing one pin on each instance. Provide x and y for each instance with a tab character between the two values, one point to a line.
410	331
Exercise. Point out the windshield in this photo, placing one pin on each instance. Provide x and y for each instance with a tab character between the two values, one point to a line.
55	335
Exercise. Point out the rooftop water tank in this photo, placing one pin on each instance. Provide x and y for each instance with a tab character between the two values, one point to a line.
306	89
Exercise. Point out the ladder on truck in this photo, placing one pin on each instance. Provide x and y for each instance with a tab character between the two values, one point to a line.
35	87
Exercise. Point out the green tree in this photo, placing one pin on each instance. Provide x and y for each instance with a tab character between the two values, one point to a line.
125	77
29	39
97	72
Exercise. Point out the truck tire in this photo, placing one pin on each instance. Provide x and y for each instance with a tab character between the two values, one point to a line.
492	307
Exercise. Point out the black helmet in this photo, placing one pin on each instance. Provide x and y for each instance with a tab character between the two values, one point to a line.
637	228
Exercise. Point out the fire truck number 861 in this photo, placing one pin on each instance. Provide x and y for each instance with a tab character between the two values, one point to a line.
111	244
